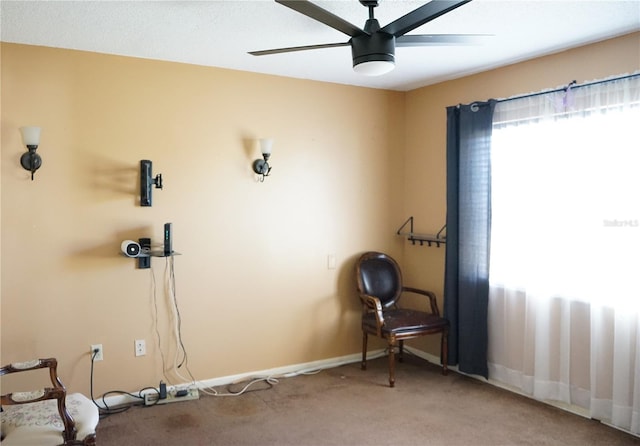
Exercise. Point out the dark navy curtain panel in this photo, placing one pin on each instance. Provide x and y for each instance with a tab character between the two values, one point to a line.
466	287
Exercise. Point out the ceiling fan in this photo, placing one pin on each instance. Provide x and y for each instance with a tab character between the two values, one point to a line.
373	47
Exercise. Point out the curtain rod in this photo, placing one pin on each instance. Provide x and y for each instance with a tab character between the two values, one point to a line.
571	85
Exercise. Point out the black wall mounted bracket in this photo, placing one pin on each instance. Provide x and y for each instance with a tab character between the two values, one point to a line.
144	261
429	239
146	181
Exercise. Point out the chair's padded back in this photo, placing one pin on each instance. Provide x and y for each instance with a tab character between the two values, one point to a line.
379	276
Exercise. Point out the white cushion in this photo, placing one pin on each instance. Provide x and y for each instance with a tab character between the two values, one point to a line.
40	424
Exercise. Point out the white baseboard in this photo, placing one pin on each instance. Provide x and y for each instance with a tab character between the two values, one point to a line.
278	372
427	356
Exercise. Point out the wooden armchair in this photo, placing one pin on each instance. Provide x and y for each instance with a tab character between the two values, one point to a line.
48	416
380	287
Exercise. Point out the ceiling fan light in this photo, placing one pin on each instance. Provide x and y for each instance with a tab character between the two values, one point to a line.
374	67
373	55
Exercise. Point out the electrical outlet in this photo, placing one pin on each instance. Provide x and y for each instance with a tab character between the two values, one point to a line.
140	347
98	355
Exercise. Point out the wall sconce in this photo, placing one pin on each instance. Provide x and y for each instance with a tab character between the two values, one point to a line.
261	166
30	160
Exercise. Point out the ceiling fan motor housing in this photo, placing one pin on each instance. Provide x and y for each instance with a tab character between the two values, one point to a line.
378	46
373	47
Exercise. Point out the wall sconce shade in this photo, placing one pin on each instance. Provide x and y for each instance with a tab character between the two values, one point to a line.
261	166
31	136
30	160
265	146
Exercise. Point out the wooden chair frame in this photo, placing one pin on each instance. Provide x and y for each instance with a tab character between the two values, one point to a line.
396	335
57	392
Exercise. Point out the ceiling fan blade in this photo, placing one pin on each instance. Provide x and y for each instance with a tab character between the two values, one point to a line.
441	39
297	48
323	16
420	16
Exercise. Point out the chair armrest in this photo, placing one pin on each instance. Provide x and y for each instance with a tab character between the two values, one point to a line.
57	392
431	295
371	304
34	364
29	365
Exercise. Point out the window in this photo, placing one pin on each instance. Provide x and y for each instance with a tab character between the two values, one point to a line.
564	297
566	199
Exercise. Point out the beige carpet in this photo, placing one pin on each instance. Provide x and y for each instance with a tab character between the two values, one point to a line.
348	406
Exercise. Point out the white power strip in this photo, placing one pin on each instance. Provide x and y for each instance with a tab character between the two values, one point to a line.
173	396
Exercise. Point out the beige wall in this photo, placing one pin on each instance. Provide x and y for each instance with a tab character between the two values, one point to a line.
252	282
349	166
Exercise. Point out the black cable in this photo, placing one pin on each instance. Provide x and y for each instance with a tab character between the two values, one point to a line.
172	287
93	357
172	279
156	320
106	410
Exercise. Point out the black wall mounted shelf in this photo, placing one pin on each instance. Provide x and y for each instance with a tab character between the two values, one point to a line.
144	257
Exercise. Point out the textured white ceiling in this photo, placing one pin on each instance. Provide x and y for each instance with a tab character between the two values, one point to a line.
220	33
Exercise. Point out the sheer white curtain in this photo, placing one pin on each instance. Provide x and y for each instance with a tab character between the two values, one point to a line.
564	299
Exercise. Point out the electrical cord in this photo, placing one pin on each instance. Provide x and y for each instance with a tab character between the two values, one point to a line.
180	349
271	381
172	288
106	410
180	361
155	323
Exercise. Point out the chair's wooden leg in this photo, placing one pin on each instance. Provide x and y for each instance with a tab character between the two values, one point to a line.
363	364
401	351
392	363
444	349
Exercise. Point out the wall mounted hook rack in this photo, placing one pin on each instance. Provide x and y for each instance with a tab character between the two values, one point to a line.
429	239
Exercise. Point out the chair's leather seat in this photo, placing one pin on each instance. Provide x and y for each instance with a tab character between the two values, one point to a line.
400	320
